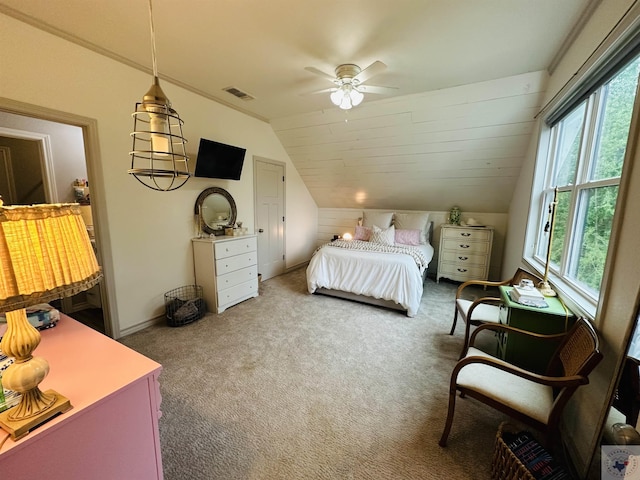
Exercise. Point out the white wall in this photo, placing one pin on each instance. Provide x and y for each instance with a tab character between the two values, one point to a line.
148	232
620	292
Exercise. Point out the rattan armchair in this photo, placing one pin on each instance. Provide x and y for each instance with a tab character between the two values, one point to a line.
534	399
485	309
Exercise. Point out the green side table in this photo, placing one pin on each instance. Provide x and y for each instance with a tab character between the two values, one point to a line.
530	353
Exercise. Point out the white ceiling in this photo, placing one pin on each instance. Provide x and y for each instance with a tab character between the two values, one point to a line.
262	47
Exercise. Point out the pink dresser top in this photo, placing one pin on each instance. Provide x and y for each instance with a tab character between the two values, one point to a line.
86	367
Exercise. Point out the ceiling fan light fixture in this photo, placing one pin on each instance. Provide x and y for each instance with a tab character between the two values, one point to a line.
158	156
346	96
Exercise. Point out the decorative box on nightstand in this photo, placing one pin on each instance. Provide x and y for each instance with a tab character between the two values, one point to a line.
464	252
529	353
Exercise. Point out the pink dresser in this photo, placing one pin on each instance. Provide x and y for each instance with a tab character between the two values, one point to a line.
112	430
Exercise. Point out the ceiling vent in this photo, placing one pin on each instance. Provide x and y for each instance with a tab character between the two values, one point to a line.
239	93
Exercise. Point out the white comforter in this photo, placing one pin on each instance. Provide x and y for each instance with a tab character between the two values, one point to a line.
388	276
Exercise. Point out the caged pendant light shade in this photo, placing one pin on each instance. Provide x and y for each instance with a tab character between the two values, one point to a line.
158	156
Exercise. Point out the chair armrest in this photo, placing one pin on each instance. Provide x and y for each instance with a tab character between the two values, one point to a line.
555	382
483	283
499	327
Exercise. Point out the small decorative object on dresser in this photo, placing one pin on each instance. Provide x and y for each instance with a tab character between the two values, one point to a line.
454	216
464	253
227	269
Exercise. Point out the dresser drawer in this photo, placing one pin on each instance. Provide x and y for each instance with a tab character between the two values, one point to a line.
235	278
468	234
466	247
230	296
235	247
230	264
461	273
463	258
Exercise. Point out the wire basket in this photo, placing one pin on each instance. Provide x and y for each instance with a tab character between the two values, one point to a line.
184	305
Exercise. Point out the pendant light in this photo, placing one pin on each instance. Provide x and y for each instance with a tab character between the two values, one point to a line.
158	156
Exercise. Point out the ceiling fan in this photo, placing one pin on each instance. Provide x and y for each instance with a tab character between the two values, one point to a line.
349	82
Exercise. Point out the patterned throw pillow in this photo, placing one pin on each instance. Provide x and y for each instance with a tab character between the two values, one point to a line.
383	237
362	233
408	237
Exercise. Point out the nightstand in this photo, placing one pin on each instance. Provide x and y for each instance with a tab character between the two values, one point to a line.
530	353
464	253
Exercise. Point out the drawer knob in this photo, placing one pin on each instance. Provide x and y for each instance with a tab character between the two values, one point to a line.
465	234
463	258
464	246
462	270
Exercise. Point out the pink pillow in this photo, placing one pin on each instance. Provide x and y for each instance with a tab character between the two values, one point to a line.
362	233
408	237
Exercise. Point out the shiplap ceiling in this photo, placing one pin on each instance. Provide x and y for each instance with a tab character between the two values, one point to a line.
469	75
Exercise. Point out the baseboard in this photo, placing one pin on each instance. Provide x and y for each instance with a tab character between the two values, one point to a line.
142	326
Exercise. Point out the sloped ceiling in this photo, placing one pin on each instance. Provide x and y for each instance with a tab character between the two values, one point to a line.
468	76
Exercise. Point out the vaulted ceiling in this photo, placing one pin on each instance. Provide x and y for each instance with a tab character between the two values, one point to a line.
468	76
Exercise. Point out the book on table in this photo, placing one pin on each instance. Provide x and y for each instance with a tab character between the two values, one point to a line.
529	296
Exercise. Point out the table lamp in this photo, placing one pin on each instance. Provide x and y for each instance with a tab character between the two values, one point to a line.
544	286
45	254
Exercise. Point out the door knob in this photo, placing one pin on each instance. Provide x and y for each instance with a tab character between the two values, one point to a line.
260	230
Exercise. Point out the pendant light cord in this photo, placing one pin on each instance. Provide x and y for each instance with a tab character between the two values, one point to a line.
153	42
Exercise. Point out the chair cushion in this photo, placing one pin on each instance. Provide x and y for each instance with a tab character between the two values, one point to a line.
484	312
525	396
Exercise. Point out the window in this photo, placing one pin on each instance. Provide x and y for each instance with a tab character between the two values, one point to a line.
586	150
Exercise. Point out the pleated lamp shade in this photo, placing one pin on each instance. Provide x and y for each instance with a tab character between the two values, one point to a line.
45	254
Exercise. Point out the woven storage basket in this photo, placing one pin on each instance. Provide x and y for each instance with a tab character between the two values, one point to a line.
184	305
505	465
531	461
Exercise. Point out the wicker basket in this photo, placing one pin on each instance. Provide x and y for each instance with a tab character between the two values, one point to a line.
507	466
184	305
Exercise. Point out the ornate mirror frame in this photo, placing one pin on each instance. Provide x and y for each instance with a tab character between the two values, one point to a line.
213	213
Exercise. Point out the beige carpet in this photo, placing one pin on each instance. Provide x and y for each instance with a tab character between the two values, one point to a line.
297	386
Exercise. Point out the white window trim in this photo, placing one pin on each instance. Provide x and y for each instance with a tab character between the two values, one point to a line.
577	301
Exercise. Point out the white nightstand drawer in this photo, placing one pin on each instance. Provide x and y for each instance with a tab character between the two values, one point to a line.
462	273
235	278
469	234
464	258
466	247
235	247
230	264
230	296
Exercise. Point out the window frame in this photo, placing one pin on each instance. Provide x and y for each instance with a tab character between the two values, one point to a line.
582	299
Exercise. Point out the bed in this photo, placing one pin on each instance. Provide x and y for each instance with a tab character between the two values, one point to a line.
383	272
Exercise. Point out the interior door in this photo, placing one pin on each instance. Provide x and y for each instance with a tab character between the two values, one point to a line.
270	216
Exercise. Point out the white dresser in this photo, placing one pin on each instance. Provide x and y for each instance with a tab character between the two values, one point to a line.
227	269
464	253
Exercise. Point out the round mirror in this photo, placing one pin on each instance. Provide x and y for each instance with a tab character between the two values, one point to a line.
216	210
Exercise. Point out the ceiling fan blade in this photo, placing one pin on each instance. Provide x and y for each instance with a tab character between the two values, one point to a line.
375	68
376	89
320	73
324	90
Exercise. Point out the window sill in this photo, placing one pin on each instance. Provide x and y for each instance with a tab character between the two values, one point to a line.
578	302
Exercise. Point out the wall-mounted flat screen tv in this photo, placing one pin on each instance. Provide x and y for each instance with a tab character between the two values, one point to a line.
218	160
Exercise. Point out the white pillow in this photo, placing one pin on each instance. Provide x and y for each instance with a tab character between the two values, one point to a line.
383	237
413	221
382	219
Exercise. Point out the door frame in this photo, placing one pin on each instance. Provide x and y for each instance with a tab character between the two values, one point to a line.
89	128
46	158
